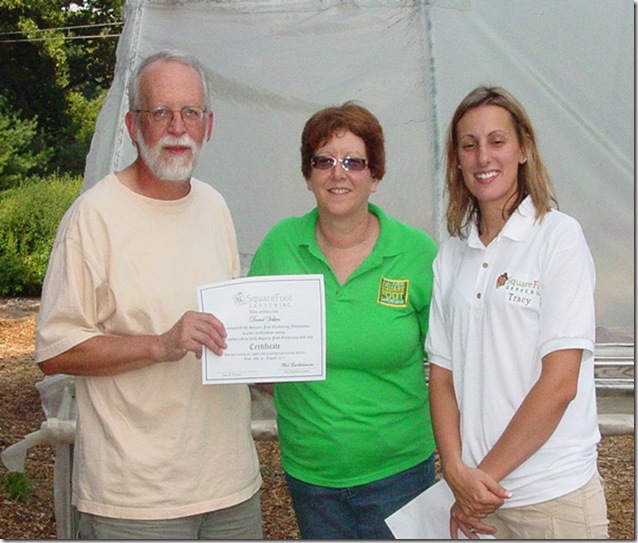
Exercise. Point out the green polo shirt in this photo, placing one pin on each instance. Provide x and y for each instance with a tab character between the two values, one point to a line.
370	418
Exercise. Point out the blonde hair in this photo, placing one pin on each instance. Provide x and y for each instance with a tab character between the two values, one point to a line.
533	179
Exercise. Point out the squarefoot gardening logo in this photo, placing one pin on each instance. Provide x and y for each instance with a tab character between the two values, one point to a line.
393	292
264	301
519	292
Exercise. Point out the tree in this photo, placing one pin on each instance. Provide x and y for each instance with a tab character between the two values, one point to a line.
20	155
62	59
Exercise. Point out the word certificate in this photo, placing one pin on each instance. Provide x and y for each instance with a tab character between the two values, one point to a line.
276	329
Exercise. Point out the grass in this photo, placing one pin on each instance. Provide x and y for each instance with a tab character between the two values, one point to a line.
17	485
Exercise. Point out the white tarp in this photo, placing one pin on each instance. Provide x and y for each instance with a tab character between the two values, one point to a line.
272	63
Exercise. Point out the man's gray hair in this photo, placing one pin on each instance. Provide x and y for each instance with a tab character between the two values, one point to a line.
165	56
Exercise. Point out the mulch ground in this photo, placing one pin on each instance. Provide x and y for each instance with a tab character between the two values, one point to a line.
21	414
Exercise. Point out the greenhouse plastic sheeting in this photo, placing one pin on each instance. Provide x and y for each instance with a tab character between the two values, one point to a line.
272	63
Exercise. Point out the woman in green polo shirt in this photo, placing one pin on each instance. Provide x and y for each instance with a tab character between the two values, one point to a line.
359	445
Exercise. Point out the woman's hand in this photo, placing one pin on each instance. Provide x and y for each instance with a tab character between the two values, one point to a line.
470	526
476	493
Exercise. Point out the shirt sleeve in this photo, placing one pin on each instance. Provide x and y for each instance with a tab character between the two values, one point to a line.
567	319
271	257
429	252
68	312
437	343
259	264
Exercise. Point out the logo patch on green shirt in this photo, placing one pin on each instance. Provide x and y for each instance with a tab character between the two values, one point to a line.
393	292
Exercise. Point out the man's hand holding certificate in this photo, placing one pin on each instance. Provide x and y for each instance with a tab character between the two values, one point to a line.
275	326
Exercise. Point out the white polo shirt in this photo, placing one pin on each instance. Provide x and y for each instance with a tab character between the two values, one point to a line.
496	312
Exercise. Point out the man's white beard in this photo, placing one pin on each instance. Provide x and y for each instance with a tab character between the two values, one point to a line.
169	168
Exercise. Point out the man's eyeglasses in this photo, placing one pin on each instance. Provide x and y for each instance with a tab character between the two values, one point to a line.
349	163
163	116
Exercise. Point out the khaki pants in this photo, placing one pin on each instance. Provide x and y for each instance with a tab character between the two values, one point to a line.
581	514
241	521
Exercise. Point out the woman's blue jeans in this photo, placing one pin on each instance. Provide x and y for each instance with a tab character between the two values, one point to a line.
356	512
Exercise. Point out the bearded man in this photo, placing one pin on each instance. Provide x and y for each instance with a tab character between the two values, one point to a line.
158	455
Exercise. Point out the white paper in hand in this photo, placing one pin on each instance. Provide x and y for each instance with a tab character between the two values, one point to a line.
427	516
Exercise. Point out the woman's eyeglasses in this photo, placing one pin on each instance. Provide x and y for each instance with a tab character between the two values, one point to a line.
349	163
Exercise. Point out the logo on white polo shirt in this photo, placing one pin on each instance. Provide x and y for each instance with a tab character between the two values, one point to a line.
519	291
501	280
393	292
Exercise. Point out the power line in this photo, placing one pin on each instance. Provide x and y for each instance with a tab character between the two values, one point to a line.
62	38
59	28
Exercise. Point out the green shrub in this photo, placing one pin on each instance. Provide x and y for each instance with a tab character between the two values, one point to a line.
29	218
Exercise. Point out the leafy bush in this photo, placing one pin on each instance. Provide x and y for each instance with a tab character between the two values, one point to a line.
29	218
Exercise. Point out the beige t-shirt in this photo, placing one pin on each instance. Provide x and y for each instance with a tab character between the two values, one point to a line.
154	442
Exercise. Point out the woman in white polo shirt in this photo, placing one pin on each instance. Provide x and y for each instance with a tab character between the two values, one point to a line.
511	338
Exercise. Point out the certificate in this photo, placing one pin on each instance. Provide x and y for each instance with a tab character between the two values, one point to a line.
276	329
